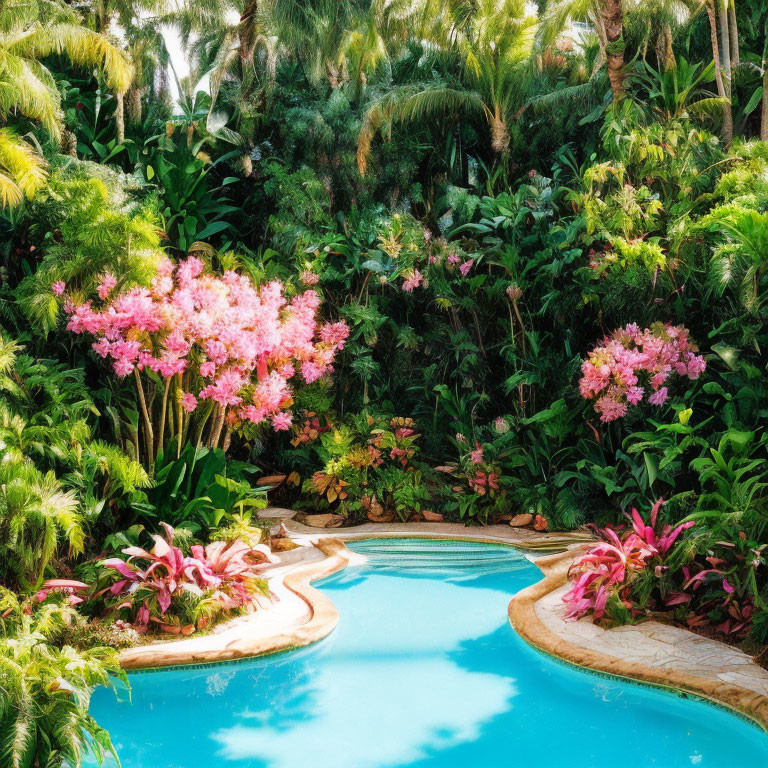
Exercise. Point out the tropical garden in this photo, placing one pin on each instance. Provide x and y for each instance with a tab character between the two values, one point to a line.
481	261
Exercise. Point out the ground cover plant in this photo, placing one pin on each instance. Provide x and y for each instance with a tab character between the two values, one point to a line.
481	262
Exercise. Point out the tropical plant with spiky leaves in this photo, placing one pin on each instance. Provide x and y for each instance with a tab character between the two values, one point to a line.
47	417
36	513
45	688
30	31
105	223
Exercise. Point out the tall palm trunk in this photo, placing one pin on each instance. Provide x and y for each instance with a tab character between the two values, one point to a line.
102	19
120	118
613	20
733	30
246	33
721	92
665	53
134	105
725	45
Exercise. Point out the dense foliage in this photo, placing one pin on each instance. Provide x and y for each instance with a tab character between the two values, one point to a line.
460	260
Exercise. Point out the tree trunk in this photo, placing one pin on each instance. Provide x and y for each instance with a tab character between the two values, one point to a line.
246	33
613	19
733	31
669	52
725	46
665	54
120	118
721	92
764	115
134	106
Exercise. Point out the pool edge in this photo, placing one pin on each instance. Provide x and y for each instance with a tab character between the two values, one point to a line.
526	622
323	619
521	614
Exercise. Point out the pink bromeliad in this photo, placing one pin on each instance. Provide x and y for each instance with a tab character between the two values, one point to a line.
608	567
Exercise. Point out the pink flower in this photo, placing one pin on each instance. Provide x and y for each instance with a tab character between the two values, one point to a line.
453	258
188	402
615	371
102	347
501	425
476	456
610	409
334	334
122	367
413	280
225	388
311	371
59	287
309	278
251	339
466	266
189	269
282	421
108	282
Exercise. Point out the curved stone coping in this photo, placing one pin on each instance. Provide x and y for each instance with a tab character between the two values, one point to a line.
302	615
492	534
651	652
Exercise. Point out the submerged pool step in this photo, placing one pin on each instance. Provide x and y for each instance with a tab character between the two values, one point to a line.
425	553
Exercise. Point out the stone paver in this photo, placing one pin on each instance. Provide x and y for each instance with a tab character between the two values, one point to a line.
655	645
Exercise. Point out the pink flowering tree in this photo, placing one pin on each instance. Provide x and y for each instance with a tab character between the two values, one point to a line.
630	364
208	353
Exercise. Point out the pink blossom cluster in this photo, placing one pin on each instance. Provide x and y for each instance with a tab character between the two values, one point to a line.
629	361
412	280
235	344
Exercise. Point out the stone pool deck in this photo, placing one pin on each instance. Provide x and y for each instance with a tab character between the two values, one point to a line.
650	652
298	616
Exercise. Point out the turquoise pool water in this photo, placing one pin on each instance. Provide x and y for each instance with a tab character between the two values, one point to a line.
423	671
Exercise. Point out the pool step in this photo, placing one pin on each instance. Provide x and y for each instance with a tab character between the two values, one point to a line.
424	553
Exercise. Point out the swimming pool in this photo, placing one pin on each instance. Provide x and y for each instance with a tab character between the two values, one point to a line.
423	671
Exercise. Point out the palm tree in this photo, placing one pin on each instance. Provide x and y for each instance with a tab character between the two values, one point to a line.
30	31
22	169
651	20
492	45
139	22
34	511
607	19
722	68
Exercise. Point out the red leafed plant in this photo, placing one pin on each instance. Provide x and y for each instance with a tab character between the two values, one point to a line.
720	588
179	592
605	575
